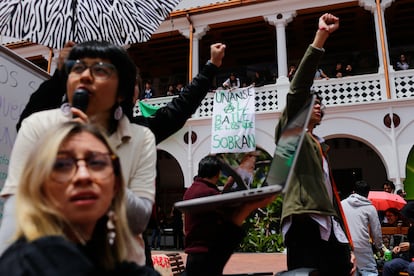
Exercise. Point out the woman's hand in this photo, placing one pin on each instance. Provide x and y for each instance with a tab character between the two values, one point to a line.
79	116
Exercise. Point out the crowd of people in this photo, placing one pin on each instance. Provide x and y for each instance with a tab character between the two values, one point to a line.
80	189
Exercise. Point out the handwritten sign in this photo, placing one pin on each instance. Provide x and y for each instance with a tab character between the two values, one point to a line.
19	78
233	122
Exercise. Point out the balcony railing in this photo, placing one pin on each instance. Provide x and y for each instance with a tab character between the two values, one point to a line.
347	90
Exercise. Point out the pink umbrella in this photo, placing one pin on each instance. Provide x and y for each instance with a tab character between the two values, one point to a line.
383	200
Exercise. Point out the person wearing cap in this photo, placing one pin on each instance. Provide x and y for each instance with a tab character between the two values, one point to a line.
403	253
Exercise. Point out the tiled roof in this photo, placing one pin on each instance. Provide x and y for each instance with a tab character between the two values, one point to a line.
192	4
18	44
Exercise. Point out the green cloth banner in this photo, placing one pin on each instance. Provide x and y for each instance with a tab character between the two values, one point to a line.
147	110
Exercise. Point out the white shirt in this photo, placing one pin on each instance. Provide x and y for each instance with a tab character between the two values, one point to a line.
134	145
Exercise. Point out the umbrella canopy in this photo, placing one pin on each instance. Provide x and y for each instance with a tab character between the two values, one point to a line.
383	200
54	22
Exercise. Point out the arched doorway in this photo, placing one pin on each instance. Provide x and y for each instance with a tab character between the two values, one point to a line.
170	181
353	160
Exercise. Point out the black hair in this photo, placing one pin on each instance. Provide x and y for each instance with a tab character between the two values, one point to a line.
319	97
389	183
124	65
208	167
362	188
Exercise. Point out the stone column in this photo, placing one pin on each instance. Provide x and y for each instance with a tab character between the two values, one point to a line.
370	5
199	32
280	21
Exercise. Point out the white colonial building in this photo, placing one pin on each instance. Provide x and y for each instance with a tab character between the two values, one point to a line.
368	122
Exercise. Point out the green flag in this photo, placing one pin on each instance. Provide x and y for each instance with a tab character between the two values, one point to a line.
147	110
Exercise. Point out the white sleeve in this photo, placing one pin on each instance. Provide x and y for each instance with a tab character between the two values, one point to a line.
139	211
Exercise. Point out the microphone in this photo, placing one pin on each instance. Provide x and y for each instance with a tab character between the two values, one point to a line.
80	99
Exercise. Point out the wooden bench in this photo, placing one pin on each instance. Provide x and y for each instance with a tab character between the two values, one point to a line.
177	263
395	230
391	230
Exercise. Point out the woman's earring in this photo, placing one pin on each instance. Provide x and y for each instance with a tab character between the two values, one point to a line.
110	225
118	113
65	107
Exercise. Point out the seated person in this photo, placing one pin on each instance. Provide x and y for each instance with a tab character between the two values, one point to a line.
71	216
393	218
403	253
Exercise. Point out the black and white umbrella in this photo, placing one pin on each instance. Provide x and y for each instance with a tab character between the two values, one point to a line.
54	22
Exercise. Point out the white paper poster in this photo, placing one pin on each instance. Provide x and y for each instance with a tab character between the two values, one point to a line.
233	121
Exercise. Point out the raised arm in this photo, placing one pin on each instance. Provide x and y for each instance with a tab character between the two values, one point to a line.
303	79
170	118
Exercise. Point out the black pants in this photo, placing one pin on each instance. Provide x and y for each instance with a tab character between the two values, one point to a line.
205	264
305	248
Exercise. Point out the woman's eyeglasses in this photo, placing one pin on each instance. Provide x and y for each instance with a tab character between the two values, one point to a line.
99	70
98	164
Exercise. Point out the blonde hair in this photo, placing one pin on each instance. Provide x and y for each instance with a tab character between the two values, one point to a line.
36	215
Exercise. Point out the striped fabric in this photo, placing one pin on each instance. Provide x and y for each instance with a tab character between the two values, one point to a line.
54	22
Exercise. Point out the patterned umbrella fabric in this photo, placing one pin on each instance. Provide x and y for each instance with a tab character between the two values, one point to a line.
54	22
383	200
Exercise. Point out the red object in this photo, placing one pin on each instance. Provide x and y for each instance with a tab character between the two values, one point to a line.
383	200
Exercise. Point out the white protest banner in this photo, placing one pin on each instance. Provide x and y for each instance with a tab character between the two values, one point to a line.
233	122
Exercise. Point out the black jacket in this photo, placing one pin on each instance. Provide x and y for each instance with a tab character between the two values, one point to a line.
54	255
165	122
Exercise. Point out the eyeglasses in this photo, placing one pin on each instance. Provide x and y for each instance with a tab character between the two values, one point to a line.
99	70
99	165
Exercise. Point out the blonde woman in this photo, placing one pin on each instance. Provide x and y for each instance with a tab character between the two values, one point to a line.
71	217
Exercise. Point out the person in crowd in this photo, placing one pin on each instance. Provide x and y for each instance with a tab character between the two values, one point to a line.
364	226
165	122
232	82
402	63
71	216
313	225
158	219
171	91
178	228
320	74
338	71
394	218
292	71
403	253
258	80
179	88
148	92
108	75
348	70
211	236
401	193
388	186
